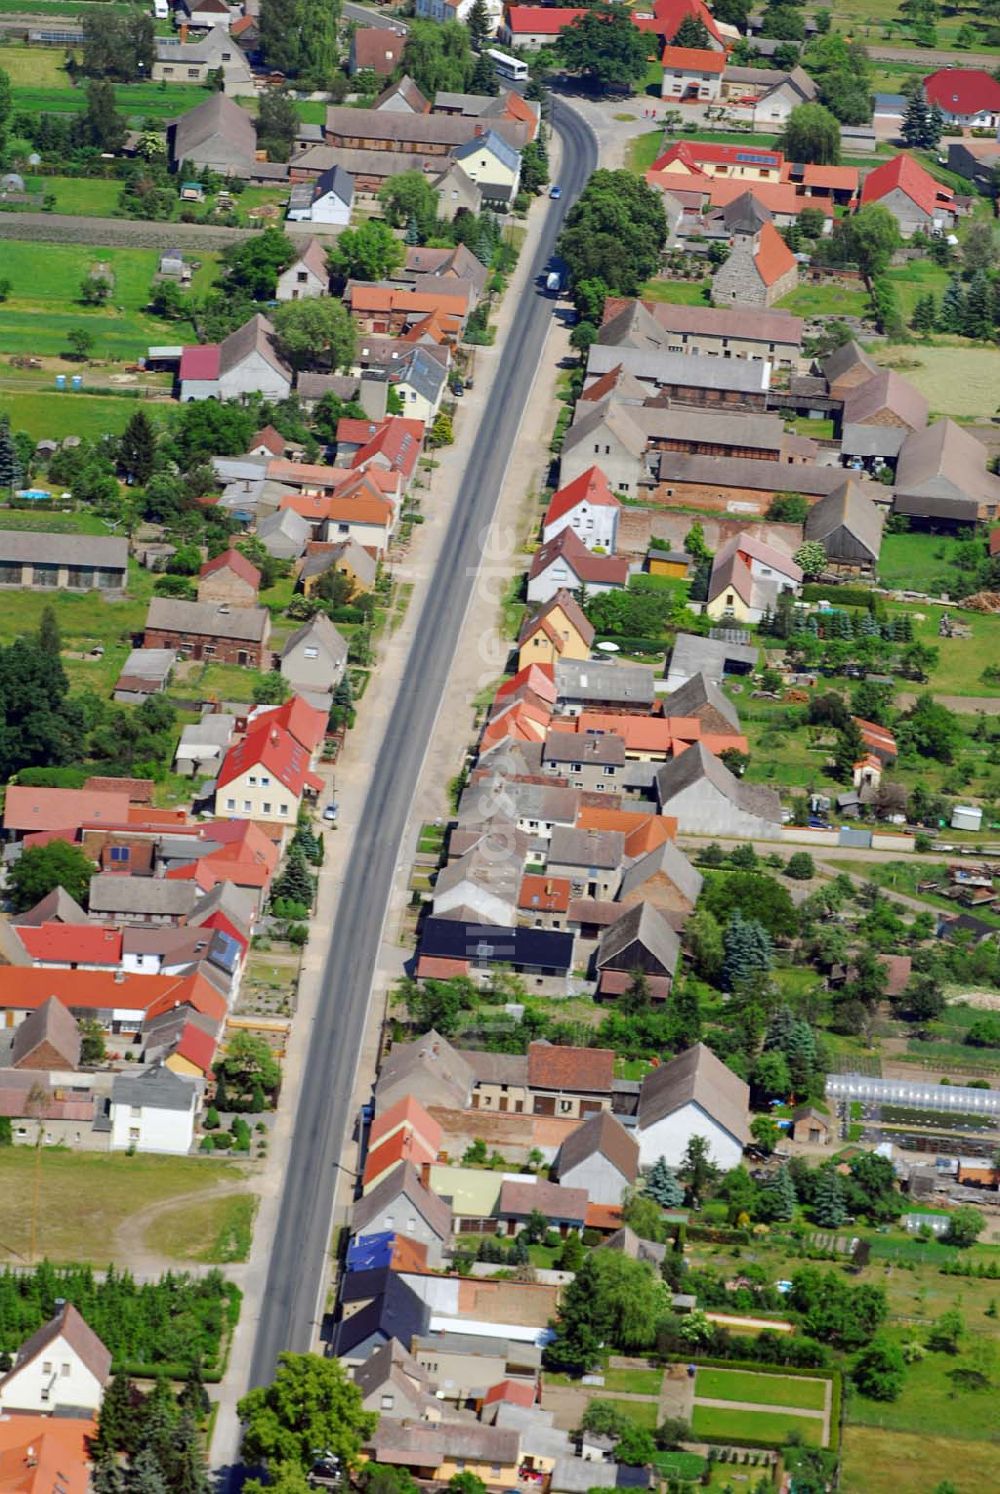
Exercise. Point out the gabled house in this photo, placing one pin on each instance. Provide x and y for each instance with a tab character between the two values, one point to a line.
914	198
700	697
391	1313
314	657
564	562
942	478
569	1082
264	777
640	940
607	432
428	1070
968	97
376	49
229	578
600	1157
559	629
847	368
153	1112
706	799
327	198
588	507
344	557
306	277
208	630
593	683
748	575
401	1202
284	534
759	271
391	1382
216	135
885	400
403	97
245	362
63	1368
663	879
42	1453
456	193
49	1037
849	527
693	1094
494	164
692	74
564	1208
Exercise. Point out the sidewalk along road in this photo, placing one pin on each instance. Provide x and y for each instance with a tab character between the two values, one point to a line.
292	1304
362	16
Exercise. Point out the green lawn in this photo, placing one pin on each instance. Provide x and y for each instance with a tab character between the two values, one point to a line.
79	196
52	523
681	1465
638	1381
643	1413
51	92
716	1424
34	66
677	292
825	300
918	562
643	151
214	1232
918	277
51	415
84	620
932	1403
766	1390
815	426
882	1462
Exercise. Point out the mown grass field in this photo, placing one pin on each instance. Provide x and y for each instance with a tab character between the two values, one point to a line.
84	1197
766	1390
78	196
959	380
50	415
215	1232
917	562
719	1424
877	1462
825	300
677	292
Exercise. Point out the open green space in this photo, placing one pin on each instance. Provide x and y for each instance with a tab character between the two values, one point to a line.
51	415
718	1424
84	1198
766	1390
682	1465
825	300
677	292
918	562
52	523
884	1462
35	67
643	1413
637	1381
932	1401
215	1231
643	151
957	379
79	196
84	620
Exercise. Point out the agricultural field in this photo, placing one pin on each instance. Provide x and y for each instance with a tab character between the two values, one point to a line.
878	1462
956	379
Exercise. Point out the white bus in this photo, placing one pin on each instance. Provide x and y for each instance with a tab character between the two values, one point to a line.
511	68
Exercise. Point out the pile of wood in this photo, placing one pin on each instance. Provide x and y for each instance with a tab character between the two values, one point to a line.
982	601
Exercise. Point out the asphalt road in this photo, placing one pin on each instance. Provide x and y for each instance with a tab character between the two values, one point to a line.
362	16
296	1276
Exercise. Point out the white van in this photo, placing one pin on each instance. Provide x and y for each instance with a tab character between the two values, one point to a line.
161	9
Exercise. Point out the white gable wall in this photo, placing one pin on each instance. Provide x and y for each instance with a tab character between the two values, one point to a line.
55	1377
669	1138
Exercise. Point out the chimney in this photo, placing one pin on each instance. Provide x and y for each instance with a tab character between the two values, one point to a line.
183	32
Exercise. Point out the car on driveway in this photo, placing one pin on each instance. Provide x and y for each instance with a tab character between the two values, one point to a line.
330	813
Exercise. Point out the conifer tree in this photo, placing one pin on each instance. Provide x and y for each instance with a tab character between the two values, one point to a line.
10	462
828	1203
778	1197
977	320
952	315
747	951
662	1185
137	448
916	127
479	24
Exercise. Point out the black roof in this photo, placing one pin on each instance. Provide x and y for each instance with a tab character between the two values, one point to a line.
398	1313
454	939
358	1286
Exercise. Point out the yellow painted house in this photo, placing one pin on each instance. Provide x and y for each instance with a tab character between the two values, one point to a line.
558	631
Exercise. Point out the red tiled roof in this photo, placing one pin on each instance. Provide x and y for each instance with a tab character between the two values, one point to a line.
669	15
201	362
603	1216
692	153
197	1046
270	747
61	808
586	1070
773	258
39	1454
404	1145
837	178
439	967
25	988
541	894
516	1392
539	678
72	944
567	545
590	487
410	1113
267	436
693	60
372	43
306	724
399	443
534	20
962	90
908	176
235	561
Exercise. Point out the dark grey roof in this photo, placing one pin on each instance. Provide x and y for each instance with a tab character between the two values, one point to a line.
584	747
495	142
692	654
50	1023
255	336
598	848
590	680
112	893
668	861
218	115
700	691
697	765
319	630
747	472
434	1057
426	373
402	1180
156	1088
397	1313
871	440
55	907
24	546
216	619
645	925
696	1077
689	370
467	938
848	508
943	461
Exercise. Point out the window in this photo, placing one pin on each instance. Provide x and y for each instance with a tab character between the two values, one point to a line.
388	1401
133	1133
388	1221
265	780
120	853
283	809
64	1370
253	778
247	806
411	1224
310	653
193	72
135	1112
267	806
231	804
302	277
47	1367
565	1106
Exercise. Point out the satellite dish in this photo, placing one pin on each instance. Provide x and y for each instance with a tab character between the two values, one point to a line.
609	648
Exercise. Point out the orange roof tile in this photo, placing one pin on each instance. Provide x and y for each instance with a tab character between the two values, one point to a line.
603	1216
406	1112
693	60
773	257
541	894
590	487
42	1454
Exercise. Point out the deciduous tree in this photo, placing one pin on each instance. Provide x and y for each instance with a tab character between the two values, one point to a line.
309	1407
